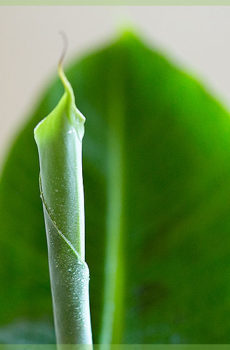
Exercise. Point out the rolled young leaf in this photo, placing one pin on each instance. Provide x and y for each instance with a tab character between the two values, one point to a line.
59	140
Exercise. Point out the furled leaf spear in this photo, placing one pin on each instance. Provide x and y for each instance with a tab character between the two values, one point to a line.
59	140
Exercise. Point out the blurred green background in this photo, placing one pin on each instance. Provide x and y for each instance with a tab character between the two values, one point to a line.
172	140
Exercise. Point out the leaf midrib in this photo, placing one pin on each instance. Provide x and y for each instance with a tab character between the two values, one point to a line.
113	298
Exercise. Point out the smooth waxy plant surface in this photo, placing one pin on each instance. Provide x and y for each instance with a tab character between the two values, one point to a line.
59	140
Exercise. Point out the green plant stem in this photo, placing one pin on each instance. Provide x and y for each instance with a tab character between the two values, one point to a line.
59	140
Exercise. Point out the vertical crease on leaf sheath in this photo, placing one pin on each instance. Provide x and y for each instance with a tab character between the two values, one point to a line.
113	309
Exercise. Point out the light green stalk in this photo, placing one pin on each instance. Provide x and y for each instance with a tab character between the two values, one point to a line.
59	140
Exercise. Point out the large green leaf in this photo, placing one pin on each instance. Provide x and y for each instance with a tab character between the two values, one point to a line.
157	195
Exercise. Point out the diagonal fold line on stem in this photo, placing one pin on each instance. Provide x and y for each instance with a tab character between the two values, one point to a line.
55	225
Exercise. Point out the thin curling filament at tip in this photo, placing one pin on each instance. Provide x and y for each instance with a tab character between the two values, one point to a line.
64	49
60	64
